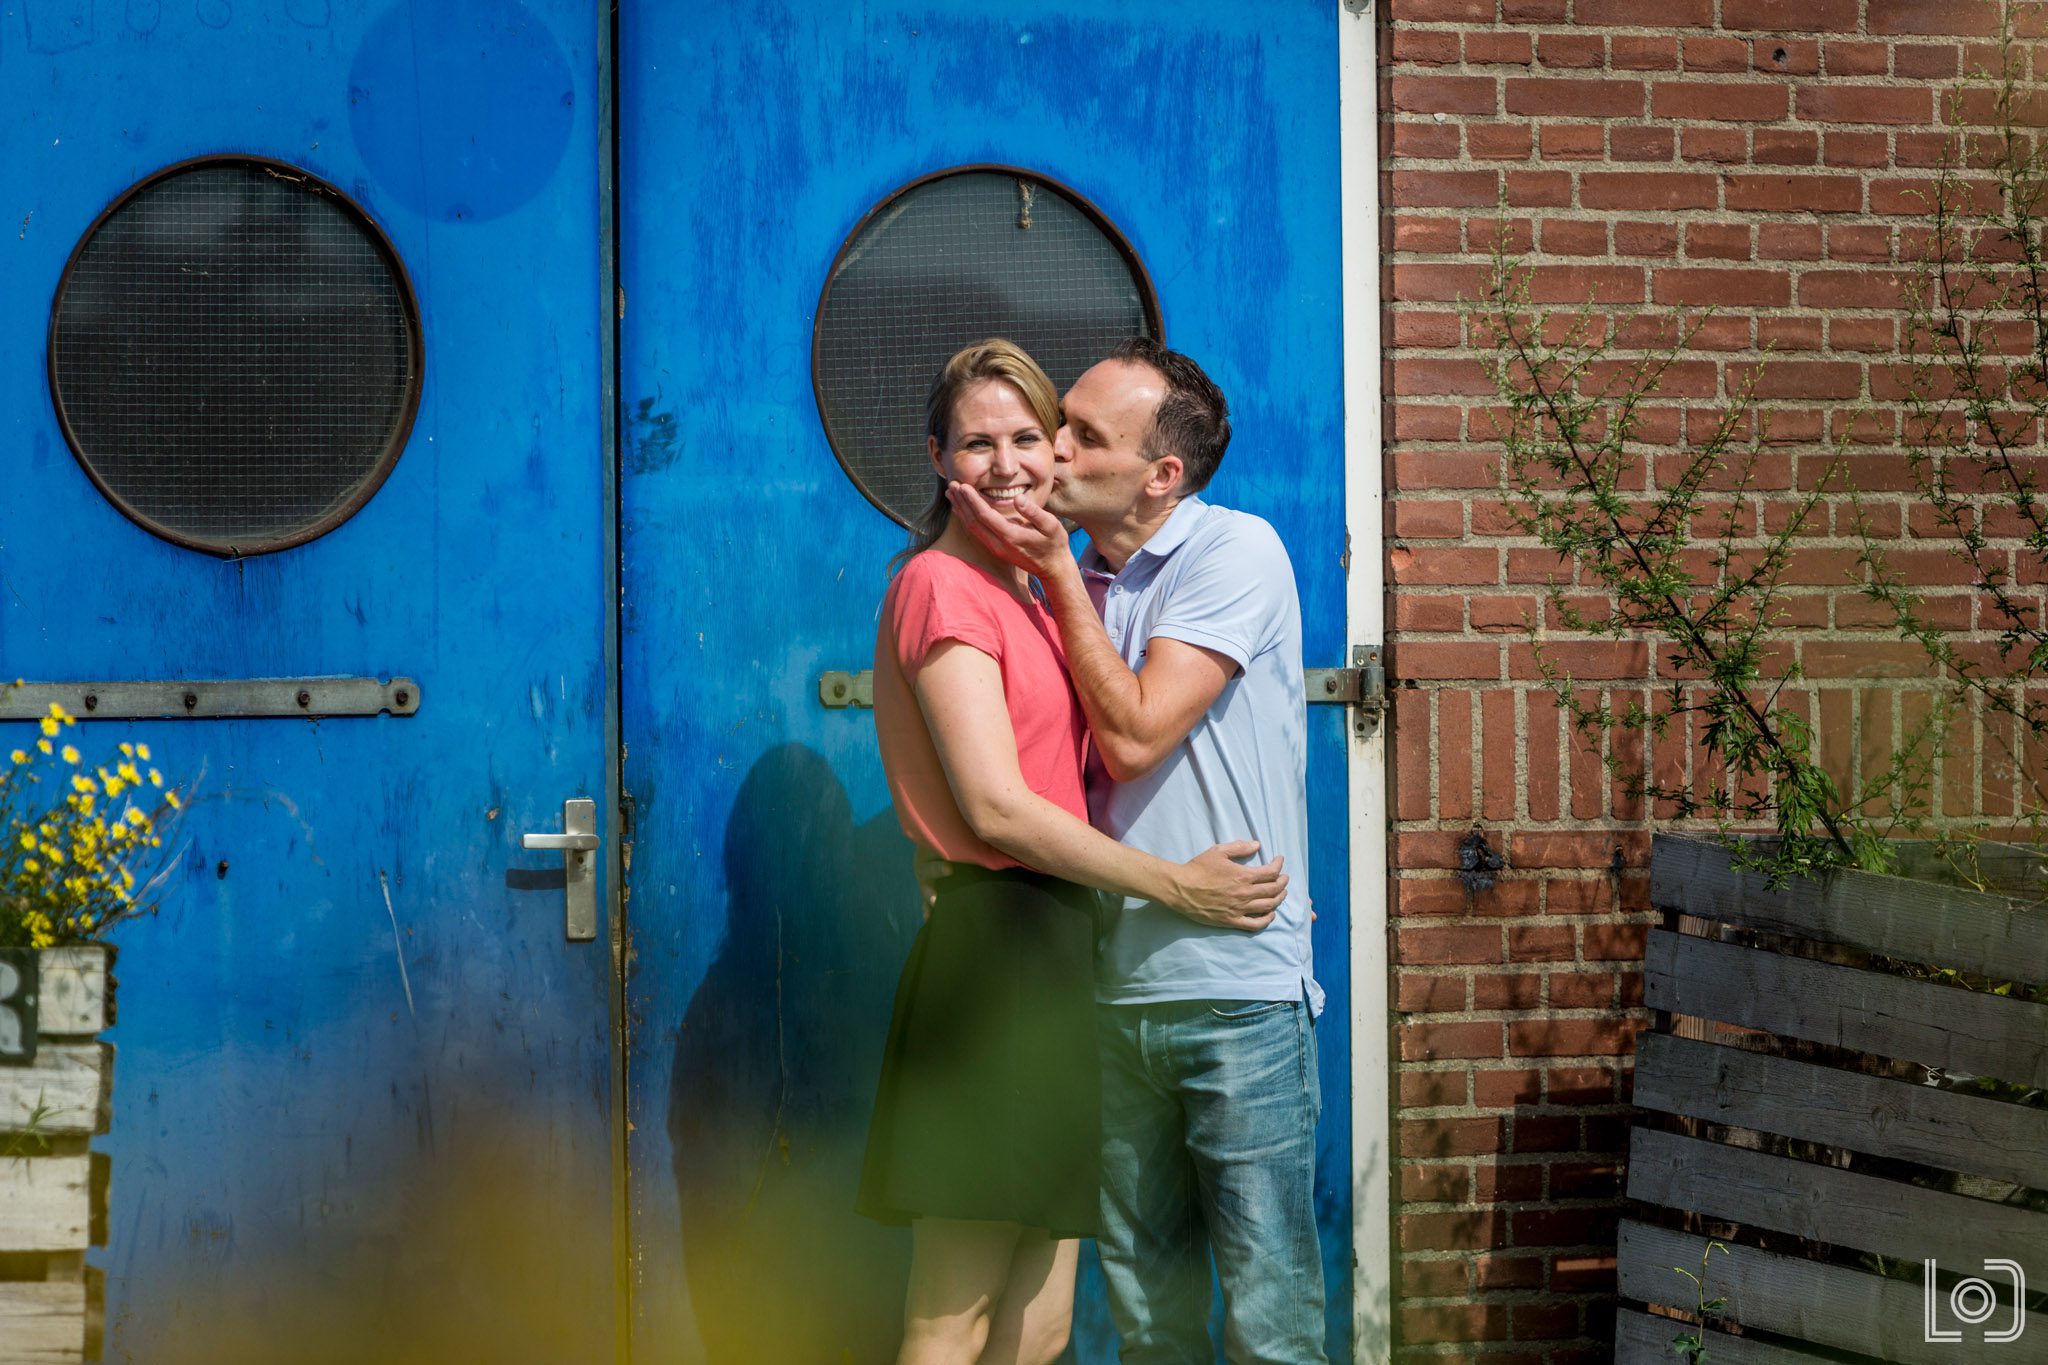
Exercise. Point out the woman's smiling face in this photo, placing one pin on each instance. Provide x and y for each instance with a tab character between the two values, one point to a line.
996	446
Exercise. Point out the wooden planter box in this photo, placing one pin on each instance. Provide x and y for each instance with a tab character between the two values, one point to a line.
1805	1110
53	1188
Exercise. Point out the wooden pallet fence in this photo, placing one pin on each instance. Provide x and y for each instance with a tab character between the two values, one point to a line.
53	1187
1811	1106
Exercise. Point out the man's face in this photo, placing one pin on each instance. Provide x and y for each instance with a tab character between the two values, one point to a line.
1099	466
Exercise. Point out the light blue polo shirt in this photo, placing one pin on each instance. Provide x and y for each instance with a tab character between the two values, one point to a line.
1222	580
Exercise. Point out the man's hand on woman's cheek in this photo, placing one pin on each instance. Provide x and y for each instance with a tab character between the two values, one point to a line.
1037	542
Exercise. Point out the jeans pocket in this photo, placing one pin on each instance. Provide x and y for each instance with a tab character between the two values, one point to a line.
1248	1009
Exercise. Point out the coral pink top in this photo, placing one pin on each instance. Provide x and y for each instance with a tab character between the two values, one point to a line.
938	597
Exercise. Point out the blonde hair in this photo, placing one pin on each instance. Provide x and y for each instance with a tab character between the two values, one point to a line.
982	363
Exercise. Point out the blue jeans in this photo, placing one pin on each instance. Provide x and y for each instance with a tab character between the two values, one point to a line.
1209	1114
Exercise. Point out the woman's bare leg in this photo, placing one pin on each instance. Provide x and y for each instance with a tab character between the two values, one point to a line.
958	1274
1035	1315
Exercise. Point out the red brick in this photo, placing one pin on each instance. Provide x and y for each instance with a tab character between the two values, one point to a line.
1572	141
1647	191
1498	785
1966	18
1612	942
1629	13
1432	1040
1565	1227
1645	239
1606	1036
1563	237
1431	1323
1427	234
1442	94
1442	11
1582	990
1716	54
1425	47
1789	332
1463	1230
1499	141
1579	1085
1795	193
1416	375
1435	1185
1540	943
1811	379
1426	141
1413	613
1862	150
1786	56
1496	1272
1542	189
1582	659
1544	1321
1862	334
1532	11
1855	59
1575	49
1433	945
1719	101
1507	991
1785	147
1445	469
1724	288
1728	146
1444	1137
1580	1274
1422	1279
1632	52
1830	103
1445	189
1497	48
1433	1089
1574	97
1454	755
1788	242
1419	994
1851	288
1544	1133
1859	242
1927	61
1537	848
1790	16
1633	143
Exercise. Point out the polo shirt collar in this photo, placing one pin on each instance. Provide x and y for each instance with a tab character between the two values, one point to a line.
1180	524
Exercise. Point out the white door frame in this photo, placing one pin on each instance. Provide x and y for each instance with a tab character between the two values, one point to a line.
1372	1229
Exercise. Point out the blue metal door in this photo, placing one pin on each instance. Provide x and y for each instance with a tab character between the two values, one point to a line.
771	903
363	1093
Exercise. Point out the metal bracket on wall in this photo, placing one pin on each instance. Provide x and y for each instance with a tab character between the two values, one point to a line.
1362	686
220	699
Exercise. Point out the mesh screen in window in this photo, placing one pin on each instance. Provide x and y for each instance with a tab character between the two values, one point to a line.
235	355
948	260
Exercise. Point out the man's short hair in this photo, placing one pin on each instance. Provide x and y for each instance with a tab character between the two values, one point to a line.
1193	420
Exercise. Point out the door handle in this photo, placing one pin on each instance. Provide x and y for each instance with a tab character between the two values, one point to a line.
577	841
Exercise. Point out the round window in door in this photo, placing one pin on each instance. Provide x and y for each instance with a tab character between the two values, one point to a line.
967	253
235	355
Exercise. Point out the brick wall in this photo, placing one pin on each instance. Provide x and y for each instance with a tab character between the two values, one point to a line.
1754	155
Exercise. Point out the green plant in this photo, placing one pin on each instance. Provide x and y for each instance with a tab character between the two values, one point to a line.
78	852
1976	401
1692	1344
1675	551
30	1139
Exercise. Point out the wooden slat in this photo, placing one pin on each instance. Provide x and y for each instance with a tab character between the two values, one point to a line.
1640	1339
45	1203
1828	1305
42	1323
1828	1205
69	1080
1938	1128
73	991
1920	921
1972	1032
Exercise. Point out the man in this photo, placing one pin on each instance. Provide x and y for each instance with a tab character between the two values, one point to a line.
1182	629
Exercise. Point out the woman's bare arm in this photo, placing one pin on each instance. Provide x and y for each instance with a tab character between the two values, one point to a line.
960	690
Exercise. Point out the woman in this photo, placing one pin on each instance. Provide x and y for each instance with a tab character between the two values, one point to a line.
985	1135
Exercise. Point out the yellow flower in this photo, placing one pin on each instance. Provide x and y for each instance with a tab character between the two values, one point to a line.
127	748
156	779
70	754
171	800
142	752
81	783
58	713
28	841
19	756
31	865
44	746
127	877
50	725
129	775
135	818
